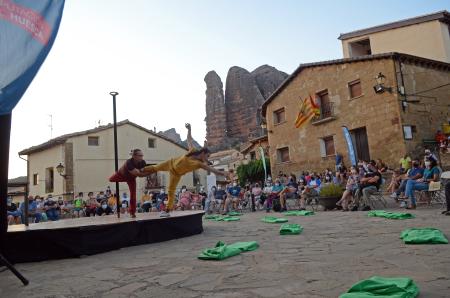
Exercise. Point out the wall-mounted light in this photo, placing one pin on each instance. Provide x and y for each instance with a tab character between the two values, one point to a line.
60	169
379	87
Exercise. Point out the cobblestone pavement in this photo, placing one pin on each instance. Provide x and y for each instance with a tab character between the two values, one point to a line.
335	250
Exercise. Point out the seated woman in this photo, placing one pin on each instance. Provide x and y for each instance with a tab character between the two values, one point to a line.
257	197
13	213
184	199
277	188
431	174
350	187
290	191
381	166
395	182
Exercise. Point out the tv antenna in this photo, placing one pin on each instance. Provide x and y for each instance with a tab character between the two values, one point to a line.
51	125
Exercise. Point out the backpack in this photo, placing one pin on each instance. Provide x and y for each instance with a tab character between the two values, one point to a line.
276	205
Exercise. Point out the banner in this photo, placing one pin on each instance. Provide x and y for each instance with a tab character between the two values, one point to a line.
263	158
351	149
27	31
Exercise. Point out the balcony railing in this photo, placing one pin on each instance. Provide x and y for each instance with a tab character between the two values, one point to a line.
326	113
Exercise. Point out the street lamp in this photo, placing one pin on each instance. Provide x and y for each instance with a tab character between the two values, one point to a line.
379	87
60	170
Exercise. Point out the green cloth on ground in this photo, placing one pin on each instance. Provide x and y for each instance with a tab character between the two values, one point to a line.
298	213
245	246
290	229
423	236
231	218
272	219
234	213
222	218
376	286
390	215
223	251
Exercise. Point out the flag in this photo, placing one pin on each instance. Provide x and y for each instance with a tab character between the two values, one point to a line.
351	149
308	109
28	29
263	158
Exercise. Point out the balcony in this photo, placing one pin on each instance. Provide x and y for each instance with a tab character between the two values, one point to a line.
326	114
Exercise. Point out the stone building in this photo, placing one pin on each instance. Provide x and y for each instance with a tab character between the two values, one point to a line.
426	36
251	149
412	102
233	115
88	160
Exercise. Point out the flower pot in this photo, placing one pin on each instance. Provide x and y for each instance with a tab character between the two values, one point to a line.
328	203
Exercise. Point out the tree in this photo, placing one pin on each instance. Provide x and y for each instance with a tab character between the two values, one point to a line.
253	171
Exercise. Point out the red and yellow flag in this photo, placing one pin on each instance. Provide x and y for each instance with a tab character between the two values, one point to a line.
308	109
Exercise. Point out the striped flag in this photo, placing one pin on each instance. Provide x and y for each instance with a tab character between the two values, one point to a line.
308	109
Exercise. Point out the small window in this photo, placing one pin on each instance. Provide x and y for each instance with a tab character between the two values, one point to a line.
93	141
49	180
325	105
279	116
151	143
327	146
283	154
252	155
35	179
355	88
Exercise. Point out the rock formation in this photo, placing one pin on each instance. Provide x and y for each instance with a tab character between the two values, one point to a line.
234	117
174	136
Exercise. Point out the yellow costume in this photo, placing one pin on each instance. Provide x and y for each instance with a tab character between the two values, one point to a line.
177	167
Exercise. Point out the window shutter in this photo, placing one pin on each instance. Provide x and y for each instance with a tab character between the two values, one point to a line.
323	152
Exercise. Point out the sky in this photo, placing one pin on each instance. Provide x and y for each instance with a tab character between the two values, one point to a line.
157	53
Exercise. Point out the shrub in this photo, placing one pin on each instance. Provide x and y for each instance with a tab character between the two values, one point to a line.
331	190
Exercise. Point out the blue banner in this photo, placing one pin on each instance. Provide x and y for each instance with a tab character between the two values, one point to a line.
351	149
28	29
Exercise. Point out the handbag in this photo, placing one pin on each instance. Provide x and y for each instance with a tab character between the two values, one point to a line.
434	186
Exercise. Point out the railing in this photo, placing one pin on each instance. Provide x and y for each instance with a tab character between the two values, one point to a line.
326	111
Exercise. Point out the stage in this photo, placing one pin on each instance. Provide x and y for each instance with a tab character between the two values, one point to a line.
71	238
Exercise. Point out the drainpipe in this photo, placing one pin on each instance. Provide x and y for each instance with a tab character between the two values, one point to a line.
25	207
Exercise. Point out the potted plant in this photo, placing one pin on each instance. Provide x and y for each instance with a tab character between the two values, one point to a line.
329	195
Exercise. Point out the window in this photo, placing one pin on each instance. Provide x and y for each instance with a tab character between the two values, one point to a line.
279	116
92	141
355	88
325	105
359	48
283	154
49	180
408	131
327	146
35	179
151	143
252	155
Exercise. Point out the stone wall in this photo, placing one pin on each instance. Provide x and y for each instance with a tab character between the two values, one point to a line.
432	108
378	113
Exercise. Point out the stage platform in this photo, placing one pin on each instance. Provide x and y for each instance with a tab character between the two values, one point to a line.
71	238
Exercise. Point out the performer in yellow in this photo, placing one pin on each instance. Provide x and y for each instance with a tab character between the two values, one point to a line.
193	160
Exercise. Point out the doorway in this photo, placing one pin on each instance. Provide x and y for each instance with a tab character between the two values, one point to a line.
359	138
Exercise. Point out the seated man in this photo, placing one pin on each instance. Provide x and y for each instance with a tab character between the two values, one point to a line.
32	210
104	209
220	196
368	186
277	188
233	197
311	190
51	209
91	205
289	192
416	172
13	213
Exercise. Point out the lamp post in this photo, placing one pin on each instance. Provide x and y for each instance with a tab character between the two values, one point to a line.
116	158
